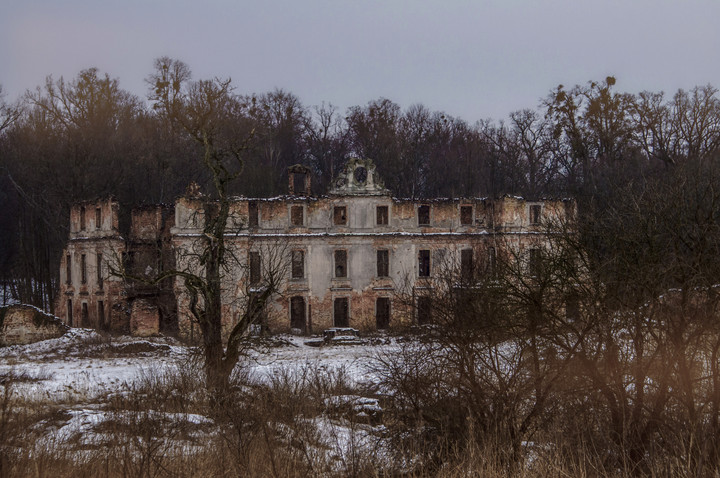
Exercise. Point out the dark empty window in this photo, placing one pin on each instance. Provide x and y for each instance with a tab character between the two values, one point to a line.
299	183
298	264
381	215
466	215
83	269
424	215
340	312
424	263
535	214
68	270
85	317
101	315
382	312
492	260
339	216
341	263
383	263
534	261
255	267
82	218
99	270
253	214
297	216
297	313
69	313
424	310
466	264
98	218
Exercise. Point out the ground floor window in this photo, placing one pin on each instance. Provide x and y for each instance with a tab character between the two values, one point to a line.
101	315
424	310
85	317
340	312
69	312
297	313
382	312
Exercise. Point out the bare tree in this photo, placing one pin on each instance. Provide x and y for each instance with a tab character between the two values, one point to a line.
207	112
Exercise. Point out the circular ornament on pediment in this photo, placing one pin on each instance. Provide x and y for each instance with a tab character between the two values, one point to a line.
360	175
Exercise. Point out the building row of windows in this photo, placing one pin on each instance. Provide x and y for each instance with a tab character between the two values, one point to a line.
382	216
84	269
85	315
98	218
382	263
340	311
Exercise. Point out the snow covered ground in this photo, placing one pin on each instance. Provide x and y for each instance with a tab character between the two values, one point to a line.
81	373
85	364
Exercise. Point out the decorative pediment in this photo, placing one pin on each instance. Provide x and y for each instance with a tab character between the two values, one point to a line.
359	177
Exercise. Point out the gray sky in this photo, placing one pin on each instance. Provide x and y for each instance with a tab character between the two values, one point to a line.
473	59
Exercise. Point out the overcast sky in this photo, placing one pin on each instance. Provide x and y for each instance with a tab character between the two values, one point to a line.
472	59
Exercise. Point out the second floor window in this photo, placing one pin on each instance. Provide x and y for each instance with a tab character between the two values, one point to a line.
466	215
535	211
381	215
423	215
534	261
297	216
253	214
466	264
98	218
340	216
383	263
340	263
99	270
424	263
68	269
83	269
298	264
255	267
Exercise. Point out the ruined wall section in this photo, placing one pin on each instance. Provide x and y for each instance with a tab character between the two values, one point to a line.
153	308
89	295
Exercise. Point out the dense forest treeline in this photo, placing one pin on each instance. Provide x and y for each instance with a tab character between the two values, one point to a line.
78	139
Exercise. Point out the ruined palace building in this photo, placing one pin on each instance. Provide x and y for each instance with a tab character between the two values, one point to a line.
345	257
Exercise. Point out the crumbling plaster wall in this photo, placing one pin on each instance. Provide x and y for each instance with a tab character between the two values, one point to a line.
503	224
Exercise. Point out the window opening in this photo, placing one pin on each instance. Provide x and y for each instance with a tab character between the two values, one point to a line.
382	312
297	216
98	218
383	263
253	214
340	309
424	215
466	215
68	270
341	263
83	269
535	210
297	313
424	310
298	264
255	267
466	264
339	216
381	213
99	270
424	263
